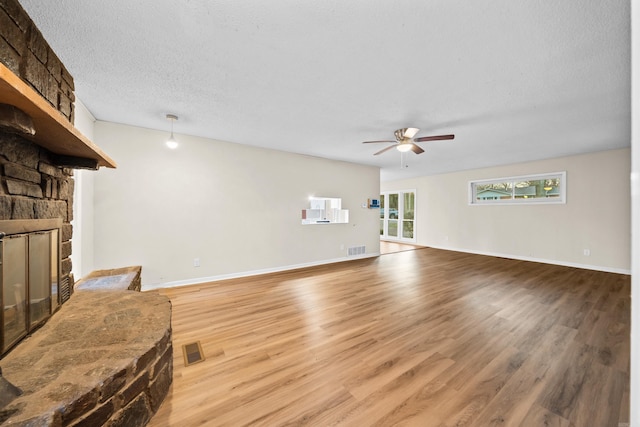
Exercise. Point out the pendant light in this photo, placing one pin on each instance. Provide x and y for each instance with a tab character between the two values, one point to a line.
171	142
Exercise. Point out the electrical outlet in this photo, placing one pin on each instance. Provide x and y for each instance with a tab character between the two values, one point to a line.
196	262
587	252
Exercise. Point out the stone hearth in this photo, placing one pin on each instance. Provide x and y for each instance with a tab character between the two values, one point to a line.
125	278
104	358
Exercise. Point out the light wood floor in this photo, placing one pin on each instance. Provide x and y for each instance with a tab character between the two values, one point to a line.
422	338
387	247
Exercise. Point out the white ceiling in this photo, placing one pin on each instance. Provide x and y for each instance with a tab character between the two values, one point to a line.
513	80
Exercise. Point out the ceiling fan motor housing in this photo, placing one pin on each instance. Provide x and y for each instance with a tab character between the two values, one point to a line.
405	134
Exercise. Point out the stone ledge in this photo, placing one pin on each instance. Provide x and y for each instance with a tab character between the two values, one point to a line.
100	359
125	278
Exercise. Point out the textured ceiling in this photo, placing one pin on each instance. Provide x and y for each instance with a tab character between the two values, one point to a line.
513	80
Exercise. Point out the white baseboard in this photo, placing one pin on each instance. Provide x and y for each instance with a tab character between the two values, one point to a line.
217	278
540	260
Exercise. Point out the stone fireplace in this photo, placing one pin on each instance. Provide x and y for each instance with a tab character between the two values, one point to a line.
36	182
91	358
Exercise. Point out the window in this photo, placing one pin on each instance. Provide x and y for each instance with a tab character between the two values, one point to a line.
543	188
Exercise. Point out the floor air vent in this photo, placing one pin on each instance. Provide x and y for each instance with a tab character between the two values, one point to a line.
192	353
357	250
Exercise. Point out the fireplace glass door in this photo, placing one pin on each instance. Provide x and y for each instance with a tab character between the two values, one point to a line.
55	272
29	279
39	277
14	289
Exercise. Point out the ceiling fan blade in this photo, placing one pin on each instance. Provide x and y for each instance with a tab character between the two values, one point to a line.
384	149
416	149
375	142
410	132
434	138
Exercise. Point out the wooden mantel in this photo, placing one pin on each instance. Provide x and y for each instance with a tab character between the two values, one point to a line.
53	130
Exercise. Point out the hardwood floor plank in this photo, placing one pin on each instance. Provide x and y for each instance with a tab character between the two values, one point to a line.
417	409
541	417
600	382
373	378
395	392
625	402
482	388
550	352
566	388
512	403
480	351
417	338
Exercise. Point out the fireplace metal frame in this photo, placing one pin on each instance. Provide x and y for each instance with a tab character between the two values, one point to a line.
27	226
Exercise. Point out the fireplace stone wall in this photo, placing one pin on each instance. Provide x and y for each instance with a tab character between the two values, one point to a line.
32	188
25	52
31	185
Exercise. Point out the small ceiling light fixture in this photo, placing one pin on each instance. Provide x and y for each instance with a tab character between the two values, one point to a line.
404	147
171	142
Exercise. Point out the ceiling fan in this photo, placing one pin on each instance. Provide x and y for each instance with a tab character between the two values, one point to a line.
405	141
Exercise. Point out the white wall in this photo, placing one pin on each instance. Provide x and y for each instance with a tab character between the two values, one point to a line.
236	208
595	217
82	241
635	197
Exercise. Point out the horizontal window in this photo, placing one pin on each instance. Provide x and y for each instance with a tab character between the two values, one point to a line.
543	188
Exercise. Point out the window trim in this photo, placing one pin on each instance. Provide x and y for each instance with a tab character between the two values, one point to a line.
473	201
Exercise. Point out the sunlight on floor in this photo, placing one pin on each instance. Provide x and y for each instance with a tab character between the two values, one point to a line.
387	247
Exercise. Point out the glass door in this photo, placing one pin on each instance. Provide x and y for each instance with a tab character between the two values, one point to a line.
55	270
408	209
383	223
39	277
397	216
14	289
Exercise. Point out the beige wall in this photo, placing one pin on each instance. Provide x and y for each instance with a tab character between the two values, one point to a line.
82	241
595	217
236	208
635	177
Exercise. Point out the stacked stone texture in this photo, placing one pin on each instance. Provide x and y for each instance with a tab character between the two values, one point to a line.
32	188
105	359
25	52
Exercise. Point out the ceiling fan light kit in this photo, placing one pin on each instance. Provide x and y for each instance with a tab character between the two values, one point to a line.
405	141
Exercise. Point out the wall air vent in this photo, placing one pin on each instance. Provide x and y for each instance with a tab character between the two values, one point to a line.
65	289
356	250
